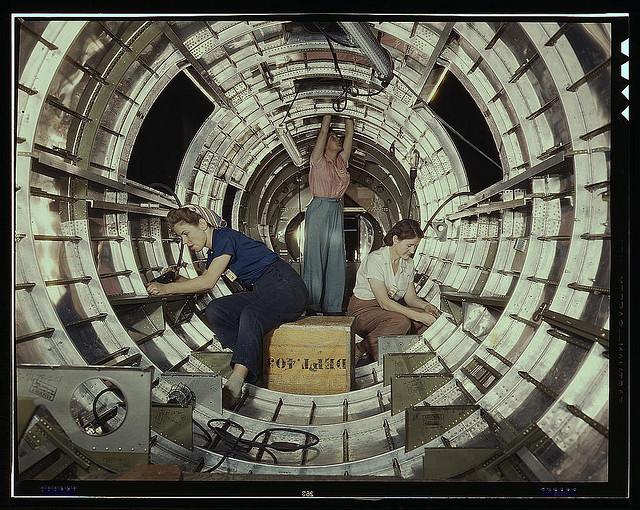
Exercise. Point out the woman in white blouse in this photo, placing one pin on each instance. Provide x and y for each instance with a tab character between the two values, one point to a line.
384	300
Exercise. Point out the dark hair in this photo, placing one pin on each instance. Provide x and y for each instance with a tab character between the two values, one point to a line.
183	214
404	229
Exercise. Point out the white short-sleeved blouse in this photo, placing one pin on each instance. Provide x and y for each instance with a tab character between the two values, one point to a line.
377	265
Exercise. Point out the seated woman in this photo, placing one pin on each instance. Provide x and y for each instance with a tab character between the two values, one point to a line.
239	320
384	300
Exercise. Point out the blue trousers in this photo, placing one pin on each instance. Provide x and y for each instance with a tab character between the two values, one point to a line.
324	268
241	320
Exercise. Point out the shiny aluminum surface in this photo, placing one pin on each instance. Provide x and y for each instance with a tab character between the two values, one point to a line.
85	236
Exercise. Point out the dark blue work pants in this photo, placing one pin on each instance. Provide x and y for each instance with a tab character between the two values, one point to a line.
241	320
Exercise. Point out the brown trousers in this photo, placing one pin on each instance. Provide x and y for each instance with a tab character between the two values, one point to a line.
371	322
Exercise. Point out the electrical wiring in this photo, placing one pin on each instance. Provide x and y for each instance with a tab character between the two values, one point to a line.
430	220
94	406
339	104
329	36
244	446
420	100
206	433
290	105
347	89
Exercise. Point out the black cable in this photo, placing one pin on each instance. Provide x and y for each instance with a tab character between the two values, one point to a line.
206	433
347	88
166	188
449	199
329	36
219	433
430	220
445	122
293	101
94	406
245	445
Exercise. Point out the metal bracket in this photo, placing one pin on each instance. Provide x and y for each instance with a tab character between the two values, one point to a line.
173	422
54	387
575	326
218	362
440	228
205	388
180	309
445	463
394	344
425	423
404	363
411	389
471	463
144	317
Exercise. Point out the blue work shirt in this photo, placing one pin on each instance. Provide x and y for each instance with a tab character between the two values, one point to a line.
249	258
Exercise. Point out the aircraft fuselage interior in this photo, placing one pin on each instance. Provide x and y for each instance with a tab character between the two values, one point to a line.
497	135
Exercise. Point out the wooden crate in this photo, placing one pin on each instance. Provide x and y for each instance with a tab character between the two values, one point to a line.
312	356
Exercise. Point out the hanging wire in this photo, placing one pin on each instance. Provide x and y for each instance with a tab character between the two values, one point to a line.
290	105
348	89
238	445
94	406
420	100
430	220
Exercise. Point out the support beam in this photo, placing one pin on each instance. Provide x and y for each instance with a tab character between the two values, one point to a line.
201	74
444	37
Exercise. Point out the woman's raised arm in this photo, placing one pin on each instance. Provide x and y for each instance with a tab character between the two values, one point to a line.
321	141
348	138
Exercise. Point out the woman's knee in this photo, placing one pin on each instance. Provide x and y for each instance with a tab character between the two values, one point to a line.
400	324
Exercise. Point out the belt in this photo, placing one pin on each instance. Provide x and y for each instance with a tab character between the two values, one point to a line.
327	199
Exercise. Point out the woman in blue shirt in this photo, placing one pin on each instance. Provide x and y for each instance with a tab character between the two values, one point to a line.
239	320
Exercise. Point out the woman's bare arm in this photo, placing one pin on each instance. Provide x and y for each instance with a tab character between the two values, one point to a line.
321	141
200	283
381	293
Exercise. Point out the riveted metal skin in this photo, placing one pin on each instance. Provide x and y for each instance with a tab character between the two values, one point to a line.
174	422
411	389
425	423
404	363
88	237
57	387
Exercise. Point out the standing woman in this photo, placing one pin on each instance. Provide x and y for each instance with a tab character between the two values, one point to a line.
324	270
240	320
384	300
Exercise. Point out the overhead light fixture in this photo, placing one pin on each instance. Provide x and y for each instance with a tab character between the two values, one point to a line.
371	47
290	145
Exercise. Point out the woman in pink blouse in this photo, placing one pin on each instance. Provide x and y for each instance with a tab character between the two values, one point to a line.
324	270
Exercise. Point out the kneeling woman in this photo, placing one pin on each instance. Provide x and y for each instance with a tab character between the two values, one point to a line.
239	320
384	300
